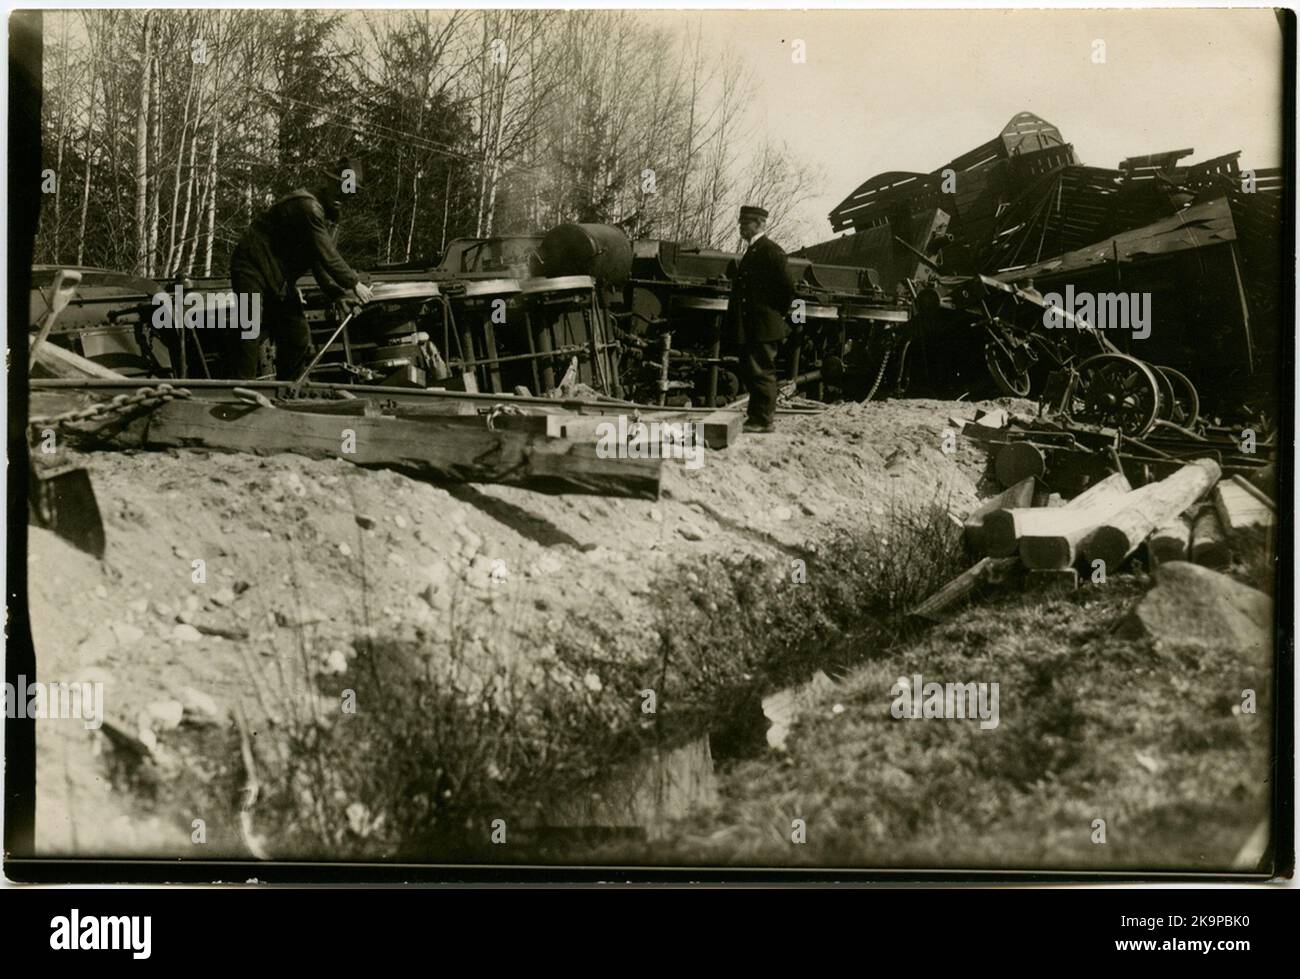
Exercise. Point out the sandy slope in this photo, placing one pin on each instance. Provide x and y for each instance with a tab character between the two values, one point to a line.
304	556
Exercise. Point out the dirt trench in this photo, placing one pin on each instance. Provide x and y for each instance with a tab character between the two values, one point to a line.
226	575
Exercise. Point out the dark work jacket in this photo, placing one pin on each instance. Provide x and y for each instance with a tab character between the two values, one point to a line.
761	293
291	237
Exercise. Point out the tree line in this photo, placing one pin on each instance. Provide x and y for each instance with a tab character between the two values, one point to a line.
165	132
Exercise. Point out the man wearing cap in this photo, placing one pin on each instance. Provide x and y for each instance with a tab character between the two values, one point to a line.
294	235
761	293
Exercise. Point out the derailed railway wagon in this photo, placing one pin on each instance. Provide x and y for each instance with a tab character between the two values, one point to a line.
673	322
580	308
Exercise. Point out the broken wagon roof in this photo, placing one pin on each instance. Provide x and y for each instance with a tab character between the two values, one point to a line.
1025	134
1197	226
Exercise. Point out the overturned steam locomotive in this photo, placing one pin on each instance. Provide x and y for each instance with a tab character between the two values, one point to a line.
579	306
582	309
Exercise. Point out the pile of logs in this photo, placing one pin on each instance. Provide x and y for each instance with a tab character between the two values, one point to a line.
1192	514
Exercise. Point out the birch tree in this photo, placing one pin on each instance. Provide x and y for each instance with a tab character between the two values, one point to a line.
142	149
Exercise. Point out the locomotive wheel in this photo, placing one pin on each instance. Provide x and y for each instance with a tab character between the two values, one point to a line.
1186	404
1118	391
1168	401
1010	378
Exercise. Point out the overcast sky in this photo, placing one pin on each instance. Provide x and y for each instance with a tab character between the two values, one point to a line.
909	90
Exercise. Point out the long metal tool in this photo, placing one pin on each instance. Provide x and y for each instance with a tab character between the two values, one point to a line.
320	352
383	292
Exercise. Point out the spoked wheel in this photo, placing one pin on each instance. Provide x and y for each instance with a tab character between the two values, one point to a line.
1011	378
1184	403
1167	399
1117	391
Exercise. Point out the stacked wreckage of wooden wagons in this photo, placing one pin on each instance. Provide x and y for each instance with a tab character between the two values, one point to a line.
1087	499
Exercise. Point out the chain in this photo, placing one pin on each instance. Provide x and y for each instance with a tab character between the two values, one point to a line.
118	405
880	374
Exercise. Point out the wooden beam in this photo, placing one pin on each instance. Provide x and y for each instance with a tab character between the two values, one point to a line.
986	569
1239	509
1120	534
45	404
594	428
60	362
1209	543
1171	542
440	410
722	428
339	406
1017	460
1052	580
62	291
1004	529
1255	491
589	428
219	389
1057	545
548	425
994	418
453	453
1019	495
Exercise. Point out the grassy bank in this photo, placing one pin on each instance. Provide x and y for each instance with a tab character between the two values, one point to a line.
1092	727
461	738
447	739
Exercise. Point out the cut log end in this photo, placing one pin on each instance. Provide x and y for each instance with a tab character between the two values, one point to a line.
1019	460
1170	542
1110	545
1046	553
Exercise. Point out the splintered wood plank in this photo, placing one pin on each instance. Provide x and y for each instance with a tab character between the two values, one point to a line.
341	406
57	361
454	453
1238	508
549	425
666	437
994	418
936	607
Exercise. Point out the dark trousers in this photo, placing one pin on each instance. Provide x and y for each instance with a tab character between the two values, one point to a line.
758	370
282	319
